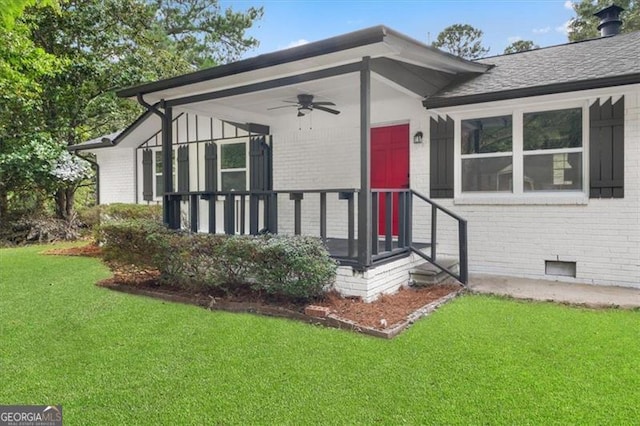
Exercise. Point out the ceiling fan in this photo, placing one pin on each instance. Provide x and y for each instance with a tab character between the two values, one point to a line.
305	105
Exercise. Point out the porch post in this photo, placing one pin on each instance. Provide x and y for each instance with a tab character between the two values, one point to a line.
168	210
364	196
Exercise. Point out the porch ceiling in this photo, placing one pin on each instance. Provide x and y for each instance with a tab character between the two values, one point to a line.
343	90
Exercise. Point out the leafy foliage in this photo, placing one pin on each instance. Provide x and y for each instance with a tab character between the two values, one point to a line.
10	10
294	267
91	217
585	26
204	32
462	40
59	68
520	46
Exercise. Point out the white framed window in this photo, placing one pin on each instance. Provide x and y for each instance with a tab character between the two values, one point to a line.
233	159
522	153
552	149
487	154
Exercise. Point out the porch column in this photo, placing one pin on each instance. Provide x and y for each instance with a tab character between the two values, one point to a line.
364	196
168	210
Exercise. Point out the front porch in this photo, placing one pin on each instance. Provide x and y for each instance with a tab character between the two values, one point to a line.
256	212
311	173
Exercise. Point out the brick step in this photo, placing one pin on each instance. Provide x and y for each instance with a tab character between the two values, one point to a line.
427	274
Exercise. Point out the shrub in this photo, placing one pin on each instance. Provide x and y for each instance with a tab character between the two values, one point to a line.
297	268
89	217
124	211
139	242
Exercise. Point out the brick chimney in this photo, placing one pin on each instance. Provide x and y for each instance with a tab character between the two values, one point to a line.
610	22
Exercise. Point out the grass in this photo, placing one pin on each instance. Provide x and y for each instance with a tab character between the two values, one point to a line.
112	358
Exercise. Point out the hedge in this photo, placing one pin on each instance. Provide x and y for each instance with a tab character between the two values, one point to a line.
294	267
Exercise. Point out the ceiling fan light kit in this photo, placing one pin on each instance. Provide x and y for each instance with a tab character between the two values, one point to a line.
306	105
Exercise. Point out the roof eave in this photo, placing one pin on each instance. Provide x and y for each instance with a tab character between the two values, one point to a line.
105	143
335	44
573	86
396	39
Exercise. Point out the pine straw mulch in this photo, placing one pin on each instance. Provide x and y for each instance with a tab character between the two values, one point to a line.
388	310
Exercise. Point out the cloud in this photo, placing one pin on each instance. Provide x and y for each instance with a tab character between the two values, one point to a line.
513	39
564	28
297	43
568	5
541	30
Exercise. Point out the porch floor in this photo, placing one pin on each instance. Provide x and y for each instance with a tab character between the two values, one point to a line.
339	247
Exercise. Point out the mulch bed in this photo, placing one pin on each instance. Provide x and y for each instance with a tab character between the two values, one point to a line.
386	317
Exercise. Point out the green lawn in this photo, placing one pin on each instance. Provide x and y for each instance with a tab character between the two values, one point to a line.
112	358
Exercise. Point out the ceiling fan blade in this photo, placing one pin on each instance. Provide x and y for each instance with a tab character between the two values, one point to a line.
300	114
324	103
329	110
283	106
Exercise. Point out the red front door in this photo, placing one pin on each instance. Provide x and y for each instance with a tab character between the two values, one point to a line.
389	166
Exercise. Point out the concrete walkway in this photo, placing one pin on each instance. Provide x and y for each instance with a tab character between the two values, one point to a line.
583	294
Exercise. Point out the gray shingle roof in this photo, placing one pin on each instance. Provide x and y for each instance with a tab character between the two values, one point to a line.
581	65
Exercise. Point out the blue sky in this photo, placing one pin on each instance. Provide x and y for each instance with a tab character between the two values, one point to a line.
288	22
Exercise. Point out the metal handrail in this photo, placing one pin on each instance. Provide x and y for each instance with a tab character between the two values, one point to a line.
463	261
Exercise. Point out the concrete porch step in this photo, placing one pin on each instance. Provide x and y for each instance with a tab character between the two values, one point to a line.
427	274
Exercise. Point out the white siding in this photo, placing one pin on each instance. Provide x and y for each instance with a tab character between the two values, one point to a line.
116	175
601	235
323	152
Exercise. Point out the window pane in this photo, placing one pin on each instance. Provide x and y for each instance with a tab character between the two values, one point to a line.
553	172
158	161
483	135
233	156
234	181
487	174
159	186
553	129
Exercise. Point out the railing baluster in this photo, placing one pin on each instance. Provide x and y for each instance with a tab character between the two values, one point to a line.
462	248
193	219
351	207
434	231
273	213
212	214
388	221
401	219
229	214
375	226
254	207
243	199
323	216
297	211
409	223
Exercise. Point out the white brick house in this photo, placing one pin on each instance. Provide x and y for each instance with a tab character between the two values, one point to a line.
538	151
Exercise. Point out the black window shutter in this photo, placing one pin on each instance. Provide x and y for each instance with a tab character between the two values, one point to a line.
147	175
183	169
211	167
260	164
606	149
441	164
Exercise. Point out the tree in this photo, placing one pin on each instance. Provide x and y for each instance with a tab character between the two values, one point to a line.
25	149
103	45
585	25
206	34
462	40
520	46
10	10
